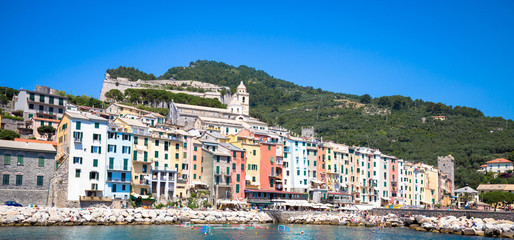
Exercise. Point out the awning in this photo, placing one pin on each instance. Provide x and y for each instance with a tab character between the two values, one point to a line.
278	180
385	198
255	183
316	181
248	178
343	185
199	183
425	202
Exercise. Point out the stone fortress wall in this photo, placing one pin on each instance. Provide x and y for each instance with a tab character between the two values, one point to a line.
122	84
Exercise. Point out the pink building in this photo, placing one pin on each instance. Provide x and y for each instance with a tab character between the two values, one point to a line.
38	122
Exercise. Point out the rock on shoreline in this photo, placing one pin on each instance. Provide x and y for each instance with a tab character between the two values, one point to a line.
448	224
25	216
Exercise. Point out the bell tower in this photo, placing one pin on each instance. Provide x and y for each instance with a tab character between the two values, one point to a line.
244	98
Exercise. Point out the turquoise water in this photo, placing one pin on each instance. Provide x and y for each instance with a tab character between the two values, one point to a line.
322	232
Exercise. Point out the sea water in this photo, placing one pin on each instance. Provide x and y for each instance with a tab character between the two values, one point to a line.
270	231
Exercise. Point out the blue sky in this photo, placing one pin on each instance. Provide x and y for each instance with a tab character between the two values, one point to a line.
454	52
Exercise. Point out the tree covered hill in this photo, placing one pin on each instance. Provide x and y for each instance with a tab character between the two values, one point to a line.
397	125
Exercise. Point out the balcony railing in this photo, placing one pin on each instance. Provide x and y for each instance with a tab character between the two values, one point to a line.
118	180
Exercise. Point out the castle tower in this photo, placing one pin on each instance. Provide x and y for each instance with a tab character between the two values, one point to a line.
446	165
244	98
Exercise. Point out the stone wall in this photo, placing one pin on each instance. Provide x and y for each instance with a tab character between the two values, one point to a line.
58	192
435	213
122	84
28	192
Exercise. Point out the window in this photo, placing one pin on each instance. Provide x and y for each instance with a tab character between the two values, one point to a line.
125	164
194	157
61	110
77	125
228	170
19	180
7	159
32	97
97	137
77	173
242	154
146	141
51	100
195	148
135	140
97	125
39	181
61	101
166	156
217	169
156	154
41	108
176	155
31	106
51	110
145	156
20	160
156	165
237	188
95	162
177	146
242	167
41	98
5	179
156	143
41	162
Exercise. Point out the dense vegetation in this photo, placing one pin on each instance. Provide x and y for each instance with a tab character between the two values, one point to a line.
6	94
84	100
394	124
133	74
153	97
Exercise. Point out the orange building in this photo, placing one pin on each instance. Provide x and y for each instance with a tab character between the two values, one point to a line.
270	171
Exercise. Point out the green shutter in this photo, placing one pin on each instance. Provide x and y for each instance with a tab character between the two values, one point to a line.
228	170
234	154
20	160
217	169
7	159
237	188
41	162
77	125
40	181
95	162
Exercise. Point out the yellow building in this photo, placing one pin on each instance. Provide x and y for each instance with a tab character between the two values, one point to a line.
121	110
245	141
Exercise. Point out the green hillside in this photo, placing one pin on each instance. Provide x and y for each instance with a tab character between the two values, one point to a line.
393	124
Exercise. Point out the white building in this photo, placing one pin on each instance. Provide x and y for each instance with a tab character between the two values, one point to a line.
87	147
499	165
295	165
43	103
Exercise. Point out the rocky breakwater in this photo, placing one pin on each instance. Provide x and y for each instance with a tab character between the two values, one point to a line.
349	219
448	224
24	216
462	226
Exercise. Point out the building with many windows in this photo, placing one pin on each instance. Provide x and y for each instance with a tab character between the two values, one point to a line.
26	168
43	103
82	143
118	162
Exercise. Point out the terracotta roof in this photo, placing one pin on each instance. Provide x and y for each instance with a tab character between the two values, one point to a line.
485	165
36	141
47	119
499	160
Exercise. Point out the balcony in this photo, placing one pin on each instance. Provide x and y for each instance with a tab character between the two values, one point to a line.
118	180
77	140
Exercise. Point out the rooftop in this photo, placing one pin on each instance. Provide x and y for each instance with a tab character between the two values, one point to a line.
499	160
27	146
